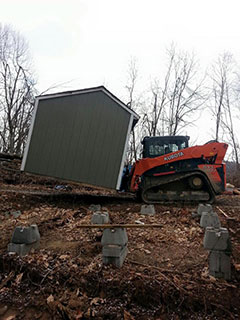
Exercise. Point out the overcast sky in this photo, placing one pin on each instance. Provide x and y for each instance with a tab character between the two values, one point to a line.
90	42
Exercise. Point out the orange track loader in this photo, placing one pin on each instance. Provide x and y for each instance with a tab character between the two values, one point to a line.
172	171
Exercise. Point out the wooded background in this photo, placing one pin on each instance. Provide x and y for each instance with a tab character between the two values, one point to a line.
169	105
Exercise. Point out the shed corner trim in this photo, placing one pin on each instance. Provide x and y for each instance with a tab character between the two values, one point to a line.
25	154
124	153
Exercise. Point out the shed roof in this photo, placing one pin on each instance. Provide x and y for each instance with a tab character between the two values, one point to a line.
89	90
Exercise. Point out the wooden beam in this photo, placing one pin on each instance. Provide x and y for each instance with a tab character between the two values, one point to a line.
112	226
225	215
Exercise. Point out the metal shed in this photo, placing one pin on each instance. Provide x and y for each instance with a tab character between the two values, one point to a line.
79	136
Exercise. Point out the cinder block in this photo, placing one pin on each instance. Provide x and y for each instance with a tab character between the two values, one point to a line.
99	217
95	207
220	265
147	209
26	235
22	249
217	239
204	208
209	219
115	236
118	258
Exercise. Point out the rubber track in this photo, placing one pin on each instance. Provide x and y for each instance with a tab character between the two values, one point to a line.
179	177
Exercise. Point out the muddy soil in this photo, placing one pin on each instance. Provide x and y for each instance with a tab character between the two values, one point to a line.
165	274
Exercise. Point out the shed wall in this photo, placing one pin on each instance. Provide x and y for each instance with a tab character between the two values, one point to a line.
79	138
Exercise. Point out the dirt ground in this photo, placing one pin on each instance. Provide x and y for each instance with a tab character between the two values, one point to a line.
165	274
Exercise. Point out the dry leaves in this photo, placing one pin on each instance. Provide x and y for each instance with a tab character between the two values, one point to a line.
68	279
127	316
50	299
19	278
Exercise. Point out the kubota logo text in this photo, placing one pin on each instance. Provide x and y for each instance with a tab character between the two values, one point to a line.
173	156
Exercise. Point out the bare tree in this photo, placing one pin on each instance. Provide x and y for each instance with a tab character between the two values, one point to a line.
218	76
16	90
185	92
178	98
225	100
154	117
227	123
131	86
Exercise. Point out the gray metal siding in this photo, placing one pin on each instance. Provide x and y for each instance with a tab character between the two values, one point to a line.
79	138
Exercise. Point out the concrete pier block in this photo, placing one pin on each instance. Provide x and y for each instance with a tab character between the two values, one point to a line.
147	209
114	242
217	239
204	208
112	250
99	217
116	236
209	219
114	255
95	207
22	248
25	235
220	265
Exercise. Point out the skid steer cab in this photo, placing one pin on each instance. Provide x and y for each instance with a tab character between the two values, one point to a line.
170	170
157	146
